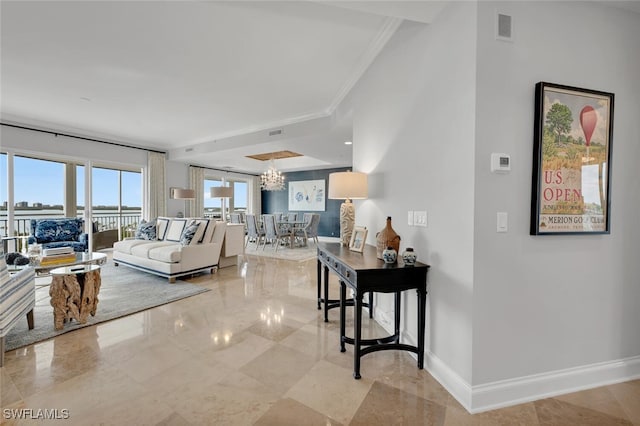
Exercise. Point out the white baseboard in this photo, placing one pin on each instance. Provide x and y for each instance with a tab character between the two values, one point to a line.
504	393
544	385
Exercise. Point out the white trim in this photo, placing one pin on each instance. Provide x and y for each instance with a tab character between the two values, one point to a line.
387	30
529	388
505	393
449	379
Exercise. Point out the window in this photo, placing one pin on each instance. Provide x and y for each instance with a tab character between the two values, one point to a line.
38	191
46	188
239	202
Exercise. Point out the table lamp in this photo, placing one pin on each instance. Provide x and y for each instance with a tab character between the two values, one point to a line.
222	192
348	186
183	194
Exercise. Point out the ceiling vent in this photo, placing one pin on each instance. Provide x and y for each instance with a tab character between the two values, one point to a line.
504	27
275	132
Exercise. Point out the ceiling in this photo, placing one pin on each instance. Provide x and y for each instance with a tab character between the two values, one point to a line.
205	81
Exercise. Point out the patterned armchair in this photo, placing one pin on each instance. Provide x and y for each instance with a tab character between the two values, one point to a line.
17	298
59	232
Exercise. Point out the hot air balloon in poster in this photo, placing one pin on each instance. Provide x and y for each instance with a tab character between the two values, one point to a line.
588	121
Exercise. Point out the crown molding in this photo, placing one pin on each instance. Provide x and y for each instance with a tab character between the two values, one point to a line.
387	30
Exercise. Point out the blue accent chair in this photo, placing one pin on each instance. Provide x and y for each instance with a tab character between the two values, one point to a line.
59	232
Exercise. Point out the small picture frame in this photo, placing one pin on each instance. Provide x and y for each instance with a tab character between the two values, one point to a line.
358	239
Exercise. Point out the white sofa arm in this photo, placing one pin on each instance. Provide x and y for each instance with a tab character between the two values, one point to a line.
197	255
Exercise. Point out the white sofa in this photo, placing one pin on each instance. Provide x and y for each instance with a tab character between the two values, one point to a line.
167	256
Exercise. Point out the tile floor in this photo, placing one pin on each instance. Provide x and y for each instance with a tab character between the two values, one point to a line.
254	350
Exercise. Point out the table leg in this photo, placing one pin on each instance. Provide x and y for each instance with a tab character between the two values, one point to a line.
326	294
319	272
396	315
357	332
65	299
343	317
422	304
90	290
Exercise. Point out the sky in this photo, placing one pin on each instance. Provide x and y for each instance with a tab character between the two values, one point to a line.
40	181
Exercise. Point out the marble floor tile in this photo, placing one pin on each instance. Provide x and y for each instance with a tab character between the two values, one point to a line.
279	368
553	412
9	393
290	412
386	405
331	390
598	399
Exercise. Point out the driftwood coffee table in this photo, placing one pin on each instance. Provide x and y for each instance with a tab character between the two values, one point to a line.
74	293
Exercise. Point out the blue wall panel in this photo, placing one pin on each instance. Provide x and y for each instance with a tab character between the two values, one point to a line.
278	201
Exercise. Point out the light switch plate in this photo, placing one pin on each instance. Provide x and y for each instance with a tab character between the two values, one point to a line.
502	222
420	218
410	218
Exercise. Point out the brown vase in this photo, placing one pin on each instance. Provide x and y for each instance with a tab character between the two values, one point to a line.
387	238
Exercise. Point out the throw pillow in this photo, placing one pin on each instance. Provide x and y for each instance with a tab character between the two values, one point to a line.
189	232
146	230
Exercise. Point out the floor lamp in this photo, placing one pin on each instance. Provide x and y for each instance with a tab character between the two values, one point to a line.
347	186
222	192
183	194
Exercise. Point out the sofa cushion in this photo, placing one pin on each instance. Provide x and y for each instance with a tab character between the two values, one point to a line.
189	233
144	250
125	246
174	231
163	225
146	230
167	253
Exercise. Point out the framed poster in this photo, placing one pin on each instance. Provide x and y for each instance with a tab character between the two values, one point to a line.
307	195
571	160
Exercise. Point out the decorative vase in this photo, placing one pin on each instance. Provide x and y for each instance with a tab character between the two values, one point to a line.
387	238
409	257
389	255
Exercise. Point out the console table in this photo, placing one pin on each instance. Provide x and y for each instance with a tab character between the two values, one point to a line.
364	273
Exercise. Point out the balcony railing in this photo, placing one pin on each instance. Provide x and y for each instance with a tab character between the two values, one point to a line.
127	223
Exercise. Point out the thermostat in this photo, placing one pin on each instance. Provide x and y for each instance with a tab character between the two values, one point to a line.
500	163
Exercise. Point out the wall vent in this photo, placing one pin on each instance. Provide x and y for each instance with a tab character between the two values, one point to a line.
275	132
504	27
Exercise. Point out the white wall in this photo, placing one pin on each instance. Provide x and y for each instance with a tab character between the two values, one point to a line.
511	317
546	303
413	132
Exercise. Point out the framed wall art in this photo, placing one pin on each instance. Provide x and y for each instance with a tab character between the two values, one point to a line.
571	160
307	195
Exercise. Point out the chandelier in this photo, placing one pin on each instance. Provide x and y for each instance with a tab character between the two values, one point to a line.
272	179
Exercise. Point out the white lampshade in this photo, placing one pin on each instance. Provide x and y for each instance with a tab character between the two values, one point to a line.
221	192
183	194
344	185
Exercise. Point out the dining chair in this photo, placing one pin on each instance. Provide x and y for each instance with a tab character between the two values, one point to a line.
292	217
274	233
235	218
310	229
254	233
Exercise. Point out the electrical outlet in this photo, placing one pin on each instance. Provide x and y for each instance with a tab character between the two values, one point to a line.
410	218
420	218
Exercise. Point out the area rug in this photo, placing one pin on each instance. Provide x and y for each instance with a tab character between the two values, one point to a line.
124	291
297	254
